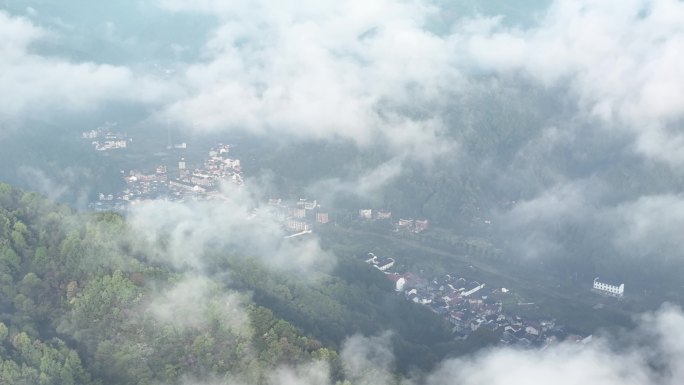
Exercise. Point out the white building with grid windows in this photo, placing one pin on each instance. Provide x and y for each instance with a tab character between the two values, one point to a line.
610	289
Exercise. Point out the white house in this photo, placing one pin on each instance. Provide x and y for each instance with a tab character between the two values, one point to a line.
297	225
472	288
607	288
366	214
381	264
401	282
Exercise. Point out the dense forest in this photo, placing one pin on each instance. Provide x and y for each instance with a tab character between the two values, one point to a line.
78	309
82	304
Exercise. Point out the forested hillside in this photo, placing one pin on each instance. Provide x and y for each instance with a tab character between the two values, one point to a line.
81	304
76	308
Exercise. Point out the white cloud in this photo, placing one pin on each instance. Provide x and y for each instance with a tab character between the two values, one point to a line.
621	59
368	185
601	362
181	233
651	225
34	85
645	226
316	373
561	201
58	185
376	72
196	301
563	365
313	70
530	226
368	360
654	355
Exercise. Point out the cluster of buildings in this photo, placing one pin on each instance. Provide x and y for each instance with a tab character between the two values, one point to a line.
299	216
184	183
370	214
104	138
410	224
217	168
203	183
471	305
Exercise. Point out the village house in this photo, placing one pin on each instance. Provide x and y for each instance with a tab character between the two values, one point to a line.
398	279
404	223
381	264
322	218
366	214
421	225
614	290
383	214
297	225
